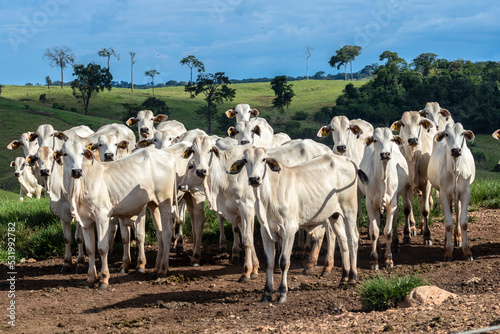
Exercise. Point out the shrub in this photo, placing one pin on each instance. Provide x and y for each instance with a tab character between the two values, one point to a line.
56	105
157	106
381	292
300	116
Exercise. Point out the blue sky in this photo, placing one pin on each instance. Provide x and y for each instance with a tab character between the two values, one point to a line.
243	38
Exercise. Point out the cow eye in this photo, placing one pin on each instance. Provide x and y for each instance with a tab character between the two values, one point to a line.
190	166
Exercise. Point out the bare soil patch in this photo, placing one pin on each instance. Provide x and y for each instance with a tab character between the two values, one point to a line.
209	299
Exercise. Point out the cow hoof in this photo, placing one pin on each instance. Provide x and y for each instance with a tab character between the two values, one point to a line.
413	233
140	270
428	242
458	244
307	271
235	259
325	274
469	258
406	241
448	259
374	267
281	299
123	270
88	285
389	265
266	299
79	270
195	264
253	275
103	286
244	279
64	269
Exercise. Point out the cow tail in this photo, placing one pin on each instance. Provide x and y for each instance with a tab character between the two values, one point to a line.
361	175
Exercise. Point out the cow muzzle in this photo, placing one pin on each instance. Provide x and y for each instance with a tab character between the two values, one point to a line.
44	172
341	149
413	141
144	132
244	142
184	188
109	157
385	156
76	173
201	173
254	181
456	152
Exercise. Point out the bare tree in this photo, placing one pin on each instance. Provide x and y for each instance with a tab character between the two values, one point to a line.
152	73
308	52
107	53
132	62
60	57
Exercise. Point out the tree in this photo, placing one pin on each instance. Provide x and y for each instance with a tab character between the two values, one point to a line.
216	89
152	73
345	55
308	55
425	62
60	57
1	86
90	80
107	53
283	92
192	62
48	82
132	62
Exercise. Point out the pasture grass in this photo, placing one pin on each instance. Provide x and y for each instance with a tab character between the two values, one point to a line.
382	292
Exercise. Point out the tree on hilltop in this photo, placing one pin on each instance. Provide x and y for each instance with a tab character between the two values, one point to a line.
60	57
89	81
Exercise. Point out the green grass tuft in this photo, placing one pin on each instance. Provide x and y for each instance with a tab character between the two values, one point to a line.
381	292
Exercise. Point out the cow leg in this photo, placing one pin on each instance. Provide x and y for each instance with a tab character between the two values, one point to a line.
247	229
155	214
177	244
167	227
286	252
374	224
330	251
457	233
66	227
390	228
222	234
464	224
352	232
89	236
81	255
424	213
395	248
140	236
195	205
235	252
448	225
340	233
408	213
102	225
317	235
300	244
270	251
125	234
113	226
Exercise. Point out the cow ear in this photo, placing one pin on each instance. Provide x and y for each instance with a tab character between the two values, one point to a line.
356	130
422	112
396	126
187	152
324	131
369	141
144	143
33	136
132	121
496	134
445	113
439	136
232	131
88	154
57	155
12	163
398	140
160	118
31	159
469	135
93	147
254	112
426	124
273	164
230	113
176	139
123	144
14	145
256	130
215	150
237	166
60	135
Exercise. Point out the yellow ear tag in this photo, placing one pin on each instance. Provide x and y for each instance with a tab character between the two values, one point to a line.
498	134
396	127
55	155
324	133
89	146
367	141
234	168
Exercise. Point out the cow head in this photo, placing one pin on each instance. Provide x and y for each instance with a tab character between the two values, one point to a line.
341	130
455	135
109	147
203	151
242	112
410	127
383	143
257	162
145	122
73	153
19	164
245	132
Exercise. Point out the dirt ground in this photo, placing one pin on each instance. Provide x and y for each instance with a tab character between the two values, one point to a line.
209	299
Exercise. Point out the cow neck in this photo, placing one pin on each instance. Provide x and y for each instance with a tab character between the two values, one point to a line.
217	179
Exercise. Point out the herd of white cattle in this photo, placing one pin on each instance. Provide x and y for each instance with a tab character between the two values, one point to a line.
108	178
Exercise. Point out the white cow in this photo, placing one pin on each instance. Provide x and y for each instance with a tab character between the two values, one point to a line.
121	188
451	171
29	147
438	115
348	136
242	112
387	171
145	123
496	134
258	133
305	195
417	133
167	133
29	183
112	141
45	135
